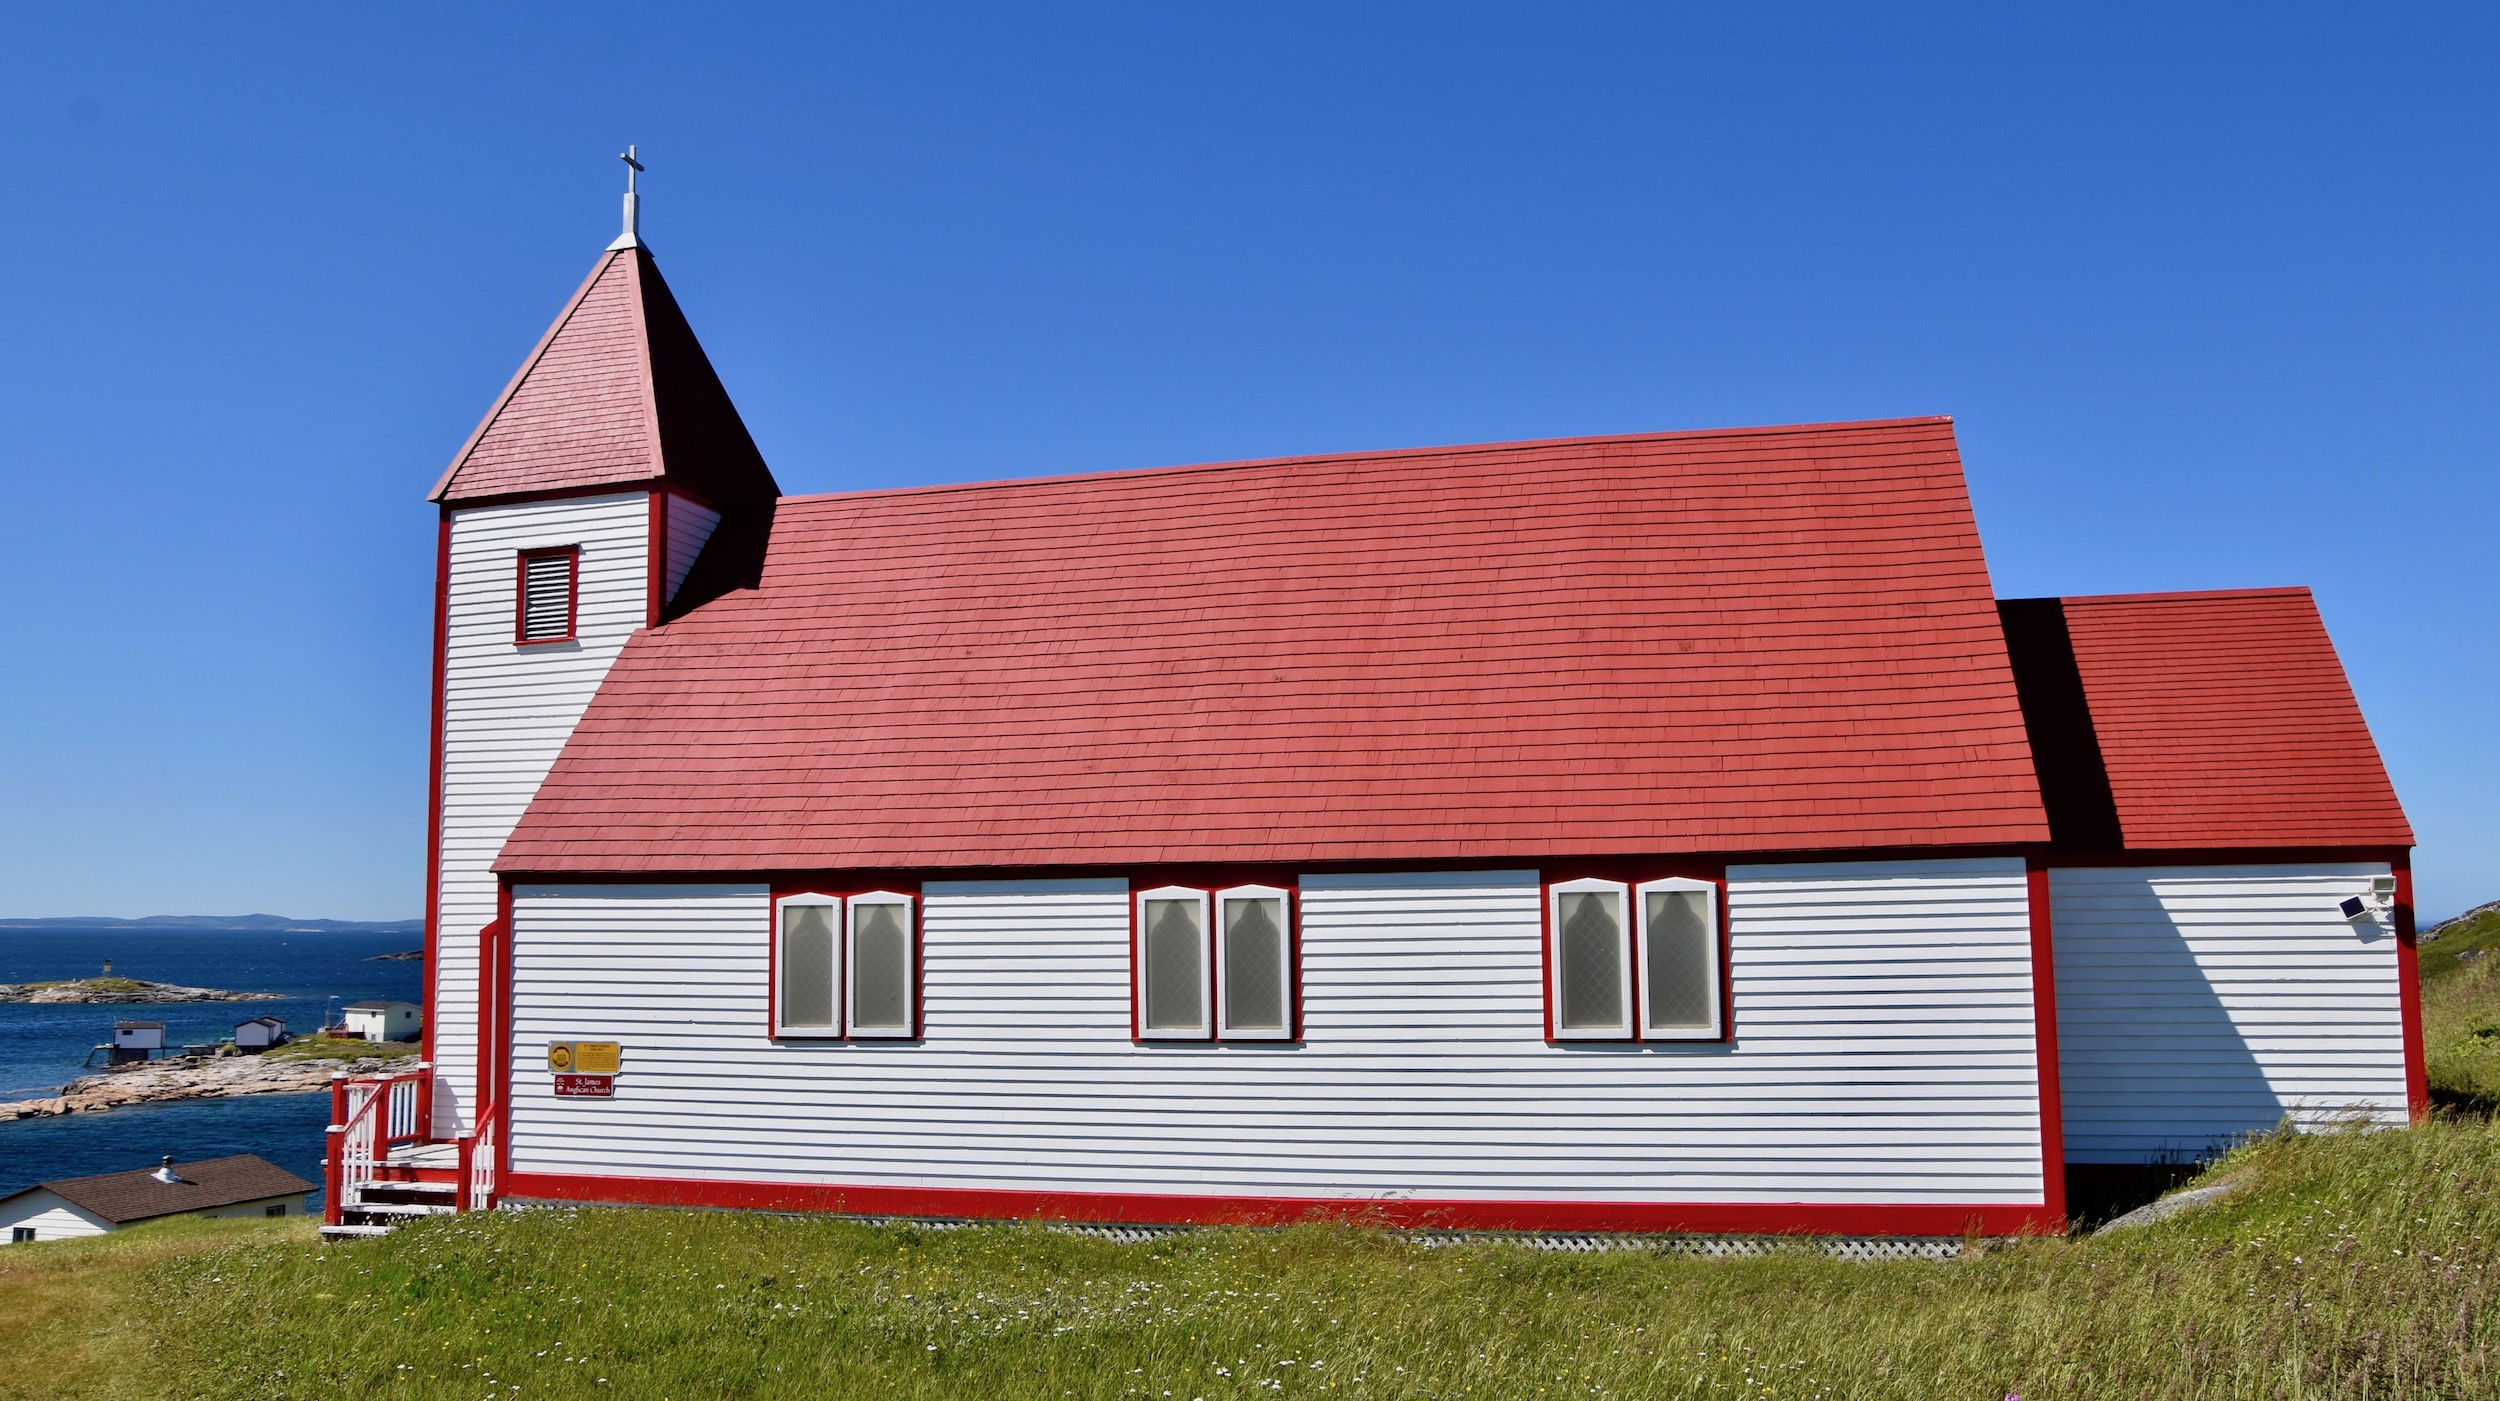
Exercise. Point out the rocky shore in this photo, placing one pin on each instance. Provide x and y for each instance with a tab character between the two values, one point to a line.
196	1077
119	990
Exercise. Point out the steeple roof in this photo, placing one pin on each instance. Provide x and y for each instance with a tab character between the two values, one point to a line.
618	394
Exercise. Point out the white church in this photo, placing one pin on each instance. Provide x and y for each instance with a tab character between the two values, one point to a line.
1670	832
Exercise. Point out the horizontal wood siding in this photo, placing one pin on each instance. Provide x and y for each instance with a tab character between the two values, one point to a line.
690	523
2196	1004
507	710
1884	1051
52	1217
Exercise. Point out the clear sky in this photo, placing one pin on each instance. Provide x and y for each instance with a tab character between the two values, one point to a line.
2211	297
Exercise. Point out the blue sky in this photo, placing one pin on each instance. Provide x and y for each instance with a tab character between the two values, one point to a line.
2211	296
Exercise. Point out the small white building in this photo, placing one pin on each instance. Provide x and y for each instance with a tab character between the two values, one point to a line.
383	1021
92	1206
137	1040
260	1033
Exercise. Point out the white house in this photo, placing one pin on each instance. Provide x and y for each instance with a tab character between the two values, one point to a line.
260	1033
137	1040
381	1020
91	1206
1659	832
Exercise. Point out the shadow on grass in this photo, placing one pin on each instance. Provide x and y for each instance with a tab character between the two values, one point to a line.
2465	1101
2098	1193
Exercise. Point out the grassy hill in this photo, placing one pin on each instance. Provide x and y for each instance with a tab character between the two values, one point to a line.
2350	1265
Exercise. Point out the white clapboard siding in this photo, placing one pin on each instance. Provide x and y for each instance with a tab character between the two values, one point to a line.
51	1216
2198	1004
690	524
1884	1053
507	710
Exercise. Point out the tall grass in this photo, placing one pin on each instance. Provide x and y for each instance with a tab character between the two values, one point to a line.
2357	1264
2352	1264
2461	1036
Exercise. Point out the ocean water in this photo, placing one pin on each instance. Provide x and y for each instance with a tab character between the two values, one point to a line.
43	1047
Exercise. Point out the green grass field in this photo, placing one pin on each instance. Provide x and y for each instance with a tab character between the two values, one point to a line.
324	1048
2352	1264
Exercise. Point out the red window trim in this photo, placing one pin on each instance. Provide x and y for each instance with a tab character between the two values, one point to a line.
841	898
572	596
1210	891
1632	876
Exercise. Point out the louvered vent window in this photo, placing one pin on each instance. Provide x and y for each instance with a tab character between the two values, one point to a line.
1635	964
846	967
1225	979
548	578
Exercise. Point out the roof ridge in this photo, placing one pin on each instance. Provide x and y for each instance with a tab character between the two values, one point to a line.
1378	455
2184	595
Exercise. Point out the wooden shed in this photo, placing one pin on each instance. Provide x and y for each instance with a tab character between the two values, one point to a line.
260	1033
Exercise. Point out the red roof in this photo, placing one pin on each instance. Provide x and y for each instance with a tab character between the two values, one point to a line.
1749	640
2198	720
617	394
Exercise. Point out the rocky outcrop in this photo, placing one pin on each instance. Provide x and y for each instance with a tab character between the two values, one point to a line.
188	1077
122	990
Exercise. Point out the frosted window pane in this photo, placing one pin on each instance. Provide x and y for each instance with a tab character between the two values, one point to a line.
807	966
1254	964
1681	991
1591	953
881	967
1176	984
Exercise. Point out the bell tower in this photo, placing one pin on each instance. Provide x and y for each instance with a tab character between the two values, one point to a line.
572	519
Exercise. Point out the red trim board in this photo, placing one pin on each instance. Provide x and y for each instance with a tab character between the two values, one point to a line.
655	561
434	782
2044	1040
2409	994
1749	1218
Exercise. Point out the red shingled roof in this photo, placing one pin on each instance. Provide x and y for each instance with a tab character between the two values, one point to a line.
1751	640
617	394
2198	720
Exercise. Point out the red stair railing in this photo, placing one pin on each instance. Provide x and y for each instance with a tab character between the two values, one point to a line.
368	1118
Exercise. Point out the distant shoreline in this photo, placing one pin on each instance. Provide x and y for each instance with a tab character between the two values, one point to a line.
110	991
219	924
225	1077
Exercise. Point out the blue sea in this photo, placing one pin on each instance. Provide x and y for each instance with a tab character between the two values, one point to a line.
43	1047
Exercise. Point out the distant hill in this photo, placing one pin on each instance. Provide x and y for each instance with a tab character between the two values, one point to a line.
224	924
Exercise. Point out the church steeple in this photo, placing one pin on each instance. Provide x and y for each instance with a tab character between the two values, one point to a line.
618	394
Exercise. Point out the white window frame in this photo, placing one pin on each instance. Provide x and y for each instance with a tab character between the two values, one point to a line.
781	961
1623	962
1205	1030
1285	948
911	968
1640	962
